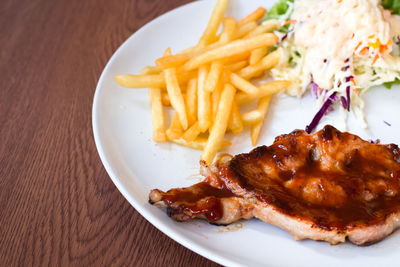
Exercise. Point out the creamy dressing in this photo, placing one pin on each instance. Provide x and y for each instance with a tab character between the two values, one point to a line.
329	32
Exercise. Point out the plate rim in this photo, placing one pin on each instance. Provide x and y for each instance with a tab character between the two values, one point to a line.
133	201
101	140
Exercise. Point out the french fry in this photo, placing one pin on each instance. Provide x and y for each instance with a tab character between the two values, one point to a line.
235	120
252	117
141	81
204	101
256	128
191	101
213	76
174	61
243	84
257	55
235	58
215	96
267	89
231	49
206	83
175	130
246	29
214	23
199	143
269	26
165	100
151	70
175	95
229	32
221	123
157	115
192	133
234	67
149	80
258	69
254	16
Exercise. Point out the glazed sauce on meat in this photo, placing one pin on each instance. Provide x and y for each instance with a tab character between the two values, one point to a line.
201	198
336	180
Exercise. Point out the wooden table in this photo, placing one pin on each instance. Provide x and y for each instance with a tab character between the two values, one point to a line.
58	206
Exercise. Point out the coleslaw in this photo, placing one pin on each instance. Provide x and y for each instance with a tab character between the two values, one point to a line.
337	49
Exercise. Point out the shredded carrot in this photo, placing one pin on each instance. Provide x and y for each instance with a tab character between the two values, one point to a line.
375	59
358	46
290	21
353	81
383	48
364	51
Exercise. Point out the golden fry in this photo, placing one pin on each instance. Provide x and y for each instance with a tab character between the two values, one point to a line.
199	143
213	76
148	81
192	133
214	23
175	130
229	32
269	88
201	83
174	61
256	15
175	95
258	69
256	128
221	123
257	55
231	49
165	100
191	101
151	70
269	26
243	84
235	120
141	81
157	115
245	29
203	100
252	117
215	96
234	67
239	57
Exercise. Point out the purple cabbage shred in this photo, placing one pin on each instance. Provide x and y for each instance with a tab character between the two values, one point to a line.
317	118
344	102
349	78
348	97
314	89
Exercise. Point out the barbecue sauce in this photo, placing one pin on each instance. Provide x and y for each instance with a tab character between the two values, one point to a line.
335	180
203	200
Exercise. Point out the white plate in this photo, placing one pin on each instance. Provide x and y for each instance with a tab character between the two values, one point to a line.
122	130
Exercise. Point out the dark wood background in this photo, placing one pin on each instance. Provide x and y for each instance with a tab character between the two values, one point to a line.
58	206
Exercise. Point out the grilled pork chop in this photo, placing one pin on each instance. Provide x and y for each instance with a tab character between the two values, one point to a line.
324	186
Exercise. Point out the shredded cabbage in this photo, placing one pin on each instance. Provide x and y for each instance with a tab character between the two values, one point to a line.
344	47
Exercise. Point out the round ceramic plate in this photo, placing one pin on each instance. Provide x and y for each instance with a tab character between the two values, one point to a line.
122	131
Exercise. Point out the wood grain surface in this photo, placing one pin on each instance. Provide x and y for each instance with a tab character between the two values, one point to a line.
58	206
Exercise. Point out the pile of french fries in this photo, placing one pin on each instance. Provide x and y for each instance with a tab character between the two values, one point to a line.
206	84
